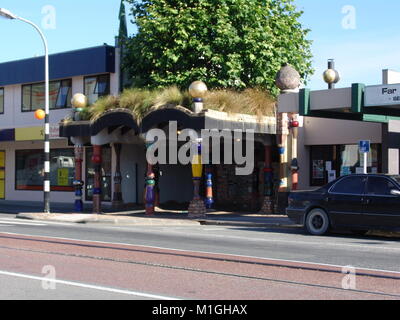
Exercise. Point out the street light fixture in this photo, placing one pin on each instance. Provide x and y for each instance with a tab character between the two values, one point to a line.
46	185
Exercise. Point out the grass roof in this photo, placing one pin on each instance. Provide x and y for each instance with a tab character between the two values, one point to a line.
141	101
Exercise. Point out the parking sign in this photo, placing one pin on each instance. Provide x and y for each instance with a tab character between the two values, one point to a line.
365	146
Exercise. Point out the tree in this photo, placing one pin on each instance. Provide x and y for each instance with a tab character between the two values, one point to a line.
225	43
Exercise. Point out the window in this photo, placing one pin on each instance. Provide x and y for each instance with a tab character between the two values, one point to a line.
96	87
380	186
105	174
30	169
350	185
33	95
1	100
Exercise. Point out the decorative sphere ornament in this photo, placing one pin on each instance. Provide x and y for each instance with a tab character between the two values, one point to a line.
40	114
331	76
79	101
287	78
294	124
198	89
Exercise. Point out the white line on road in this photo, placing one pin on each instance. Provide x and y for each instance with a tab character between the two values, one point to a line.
9	222
314	264
87	286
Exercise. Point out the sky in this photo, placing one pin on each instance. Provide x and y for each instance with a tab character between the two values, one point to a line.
361	35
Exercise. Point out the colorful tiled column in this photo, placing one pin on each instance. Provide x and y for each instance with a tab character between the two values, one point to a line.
78	182
197	207
282	141
149	192
209	188
96	159
268	203
117	202
294	166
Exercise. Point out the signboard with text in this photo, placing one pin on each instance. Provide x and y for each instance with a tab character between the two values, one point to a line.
383	95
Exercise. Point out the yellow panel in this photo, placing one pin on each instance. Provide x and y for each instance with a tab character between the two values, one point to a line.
2	159
2	189
2	174
28	134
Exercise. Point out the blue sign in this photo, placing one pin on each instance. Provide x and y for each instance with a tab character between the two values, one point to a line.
364	146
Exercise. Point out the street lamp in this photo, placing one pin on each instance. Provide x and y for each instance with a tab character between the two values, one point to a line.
46	186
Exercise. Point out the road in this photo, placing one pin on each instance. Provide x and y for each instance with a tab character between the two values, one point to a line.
43	260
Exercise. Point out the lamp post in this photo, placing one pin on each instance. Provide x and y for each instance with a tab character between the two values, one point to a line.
46	186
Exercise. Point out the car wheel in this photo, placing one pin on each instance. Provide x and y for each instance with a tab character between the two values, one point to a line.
317	222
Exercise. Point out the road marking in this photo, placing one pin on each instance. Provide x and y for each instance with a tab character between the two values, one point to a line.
13	223
88	286
268	240
203	252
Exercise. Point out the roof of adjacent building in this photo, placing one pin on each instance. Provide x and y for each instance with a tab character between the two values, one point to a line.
81	62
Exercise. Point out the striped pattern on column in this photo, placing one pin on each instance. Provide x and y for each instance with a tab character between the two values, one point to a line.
47	165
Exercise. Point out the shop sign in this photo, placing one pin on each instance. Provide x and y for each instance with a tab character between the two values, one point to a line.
382	95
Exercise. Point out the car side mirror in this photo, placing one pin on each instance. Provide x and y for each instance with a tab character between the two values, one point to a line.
395	192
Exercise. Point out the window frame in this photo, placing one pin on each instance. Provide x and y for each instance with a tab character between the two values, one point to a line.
67	104
97	76
2	99
330	191
380	195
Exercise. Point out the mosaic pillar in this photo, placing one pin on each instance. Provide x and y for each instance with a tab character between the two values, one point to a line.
117	202
268	203
294	166
282	141
149	192
197	207
96	159
78	182
209	187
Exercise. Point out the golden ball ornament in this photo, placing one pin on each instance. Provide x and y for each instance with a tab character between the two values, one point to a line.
331	76
79	100
198	89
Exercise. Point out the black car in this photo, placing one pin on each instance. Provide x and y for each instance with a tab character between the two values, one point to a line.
355	202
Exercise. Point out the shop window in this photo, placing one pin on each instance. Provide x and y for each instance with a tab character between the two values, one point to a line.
60	93
106	179
330	162
97	87
1	100
352	161
30	169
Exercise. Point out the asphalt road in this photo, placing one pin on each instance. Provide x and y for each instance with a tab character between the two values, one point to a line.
190	262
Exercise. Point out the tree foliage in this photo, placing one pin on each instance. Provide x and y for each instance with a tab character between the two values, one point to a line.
225	43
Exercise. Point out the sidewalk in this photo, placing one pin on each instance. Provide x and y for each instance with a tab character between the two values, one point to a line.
62	213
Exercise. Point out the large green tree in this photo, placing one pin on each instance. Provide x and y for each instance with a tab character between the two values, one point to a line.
225	43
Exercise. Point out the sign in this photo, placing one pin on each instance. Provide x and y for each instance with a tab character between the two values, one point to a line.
331	175
62	177
383	95
364	146
29	134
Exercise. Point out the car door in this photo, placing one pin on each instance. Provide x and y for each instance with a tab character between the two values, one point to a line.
345	200
381	207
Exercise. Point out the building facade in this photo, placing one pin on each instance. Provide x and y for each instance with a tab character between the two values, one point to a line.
93	71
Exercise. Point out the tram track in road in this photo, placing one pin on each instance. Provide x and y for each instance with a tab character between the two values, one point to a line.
184	261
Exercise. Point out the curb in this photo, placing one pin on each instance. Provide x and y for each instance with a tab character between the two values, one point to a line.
248	224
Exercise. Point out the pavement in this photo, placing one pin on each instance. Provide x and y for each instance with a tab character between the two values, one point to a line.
62	213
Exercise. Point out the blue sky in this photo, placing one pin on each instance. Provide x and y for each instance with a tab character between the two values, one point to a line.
360	53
